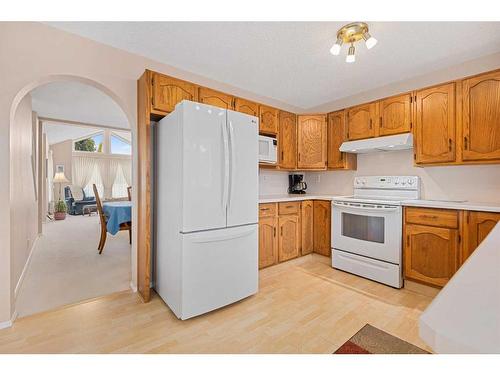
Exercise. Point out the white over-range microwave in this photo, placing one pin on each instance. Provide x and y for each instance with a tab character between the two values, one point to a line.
268	150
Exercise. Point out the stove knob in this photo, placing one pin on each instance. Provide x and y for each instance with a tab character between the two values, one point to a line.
410	181
396	181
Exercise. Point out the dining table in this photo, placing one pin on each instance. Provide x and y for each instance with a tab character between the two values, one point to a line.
117	212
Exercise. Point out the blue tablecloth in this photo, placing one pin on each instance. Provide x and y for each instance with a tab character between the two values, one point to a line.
117	213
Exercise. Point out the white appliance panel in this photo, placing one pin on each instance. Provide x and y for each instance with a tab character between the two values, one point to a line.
268	149
205	167
219	267
243	196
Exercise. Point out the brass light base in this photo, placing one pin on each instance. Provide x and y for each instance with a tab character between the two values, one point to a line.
352	32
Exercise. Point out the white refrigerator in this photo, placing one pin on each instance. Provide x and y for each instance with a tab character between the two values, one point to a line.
207	208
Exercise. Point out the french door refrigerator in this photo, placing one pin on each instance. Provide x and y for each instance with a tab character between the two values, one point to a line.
207	208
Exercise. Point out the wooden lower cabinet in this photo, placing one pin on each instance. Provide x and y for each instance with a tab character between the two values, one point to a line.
322	227
268	241
289	237
307	226
477	226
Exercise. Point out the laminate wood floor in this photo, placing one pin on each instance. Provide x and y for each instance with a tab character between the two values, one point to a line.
303	306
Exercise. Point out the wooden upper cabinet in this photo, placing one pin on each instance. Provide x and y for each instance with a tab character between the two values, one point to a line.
322	227
336	135
311	142
168	91
246	106
361	121
289	237
215	98
287	140
431	254
268	241
435	125
307	226
477	226
395	115
268	120
481	117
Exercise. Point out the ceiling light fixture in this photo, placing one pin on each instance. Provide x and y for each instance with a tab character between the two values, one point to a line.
349	34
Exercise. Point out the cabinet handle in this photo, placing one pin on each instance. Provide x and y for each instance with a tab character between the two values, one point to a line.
371	124
466	143
380	122
428	216
299	156
449	144
274	231
408	240
281	232
289	206
282	155
264	209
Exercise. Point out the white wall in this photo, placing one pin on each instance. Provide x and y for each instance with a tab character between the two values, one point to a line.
23	203
479	183
272	182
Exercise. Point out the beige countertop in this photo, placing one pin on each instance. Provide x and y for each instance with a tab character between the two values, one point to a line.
455	205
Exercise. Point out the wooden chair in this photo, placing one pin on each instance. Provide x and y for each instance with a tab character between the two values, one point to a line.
129	193
104	221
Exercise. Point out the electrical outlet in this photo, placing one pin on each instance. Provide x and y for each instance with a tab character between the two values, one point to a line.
318	178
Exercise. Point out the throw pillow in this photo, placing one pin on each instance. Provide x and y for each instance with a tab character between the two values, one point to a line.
76	192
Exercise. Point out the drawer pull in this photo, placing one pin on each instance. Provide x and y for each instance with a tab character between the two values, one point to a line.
289	206
264	209
428	216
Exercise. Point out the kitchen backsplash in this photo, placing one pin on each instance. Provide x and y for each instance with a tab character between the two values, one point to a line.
272	182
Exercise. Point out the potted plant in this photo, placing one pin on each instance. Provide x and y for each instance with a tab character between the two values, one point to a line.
60	210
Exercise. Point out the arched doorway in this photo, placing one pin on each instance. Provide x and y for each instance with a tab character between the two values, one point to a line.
24	253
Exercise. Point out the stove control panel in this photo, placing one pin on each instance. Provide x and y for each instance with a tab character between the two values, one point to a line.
387	182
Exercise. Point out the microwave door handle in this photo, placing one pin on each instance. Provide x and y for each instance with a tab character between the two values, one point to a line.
225	167
232	163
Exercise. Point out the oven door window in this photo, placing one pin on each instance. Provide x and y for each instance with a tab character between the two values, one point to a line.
362	227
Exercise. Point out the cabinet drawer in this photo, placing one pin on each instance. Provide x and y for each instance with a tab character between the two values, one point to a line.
267	209
289	208
432	216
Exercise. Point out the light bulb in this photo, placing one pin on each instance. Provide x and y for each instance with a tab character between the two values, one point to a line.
351	57
370	41
335	50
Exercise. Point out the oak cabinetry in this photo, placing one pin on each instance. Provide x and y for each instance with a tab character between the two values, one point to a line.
477	226
215	98
268	120
287	140
289	208
268	241
435	125
481	117
168	91
322	227
431	254
311	142
432	216
246	106
307	227
336	135
395	115
361	121
289	237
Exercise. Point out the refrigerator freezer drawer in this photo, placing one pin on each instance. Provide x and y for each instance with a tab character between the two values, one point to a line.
219	267
385	273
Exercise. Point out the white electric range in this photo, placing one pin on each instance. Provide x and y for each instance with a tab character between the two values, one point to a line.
367	227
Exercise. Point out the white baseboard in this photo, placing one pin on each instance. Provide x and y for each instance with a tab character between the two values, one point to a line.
10	322
133	287
25	269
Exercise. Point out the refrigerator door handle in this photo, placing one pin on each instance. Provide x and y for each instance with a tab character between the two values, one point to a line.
225	182
232	164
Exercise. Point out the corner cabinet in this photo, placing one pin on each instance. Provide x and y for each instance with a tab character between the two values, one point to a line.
287	140
336	134
268	120
311	142
168	91
435	125
477	226
395	115
361	121
307	227
322	227
481	117
215	98
268	238
289	237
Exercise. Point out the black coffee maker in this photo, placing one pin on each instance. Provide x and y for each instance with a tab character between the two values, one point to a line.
296	185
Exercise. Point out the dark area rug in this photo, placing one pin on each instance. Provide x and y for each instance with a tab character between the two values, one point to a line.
371	340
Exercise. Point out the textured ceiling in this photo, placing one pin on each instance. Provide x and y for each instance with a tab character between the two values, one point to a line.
290	61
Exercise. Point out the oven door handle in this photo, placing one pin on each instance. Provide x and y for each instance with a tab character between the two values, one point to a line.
366	207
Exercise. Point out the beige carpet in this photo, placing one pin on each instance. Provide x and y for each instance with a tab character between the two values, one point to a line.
66	268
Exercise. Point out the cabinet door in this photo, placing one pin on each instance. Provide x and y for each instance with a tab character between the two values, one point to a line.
435	125
215	98
246	106
478	226
268	241
431	254
312	142
322	227
395	115
287	140
307	224
481	117
289	237
360	121
336	135
268	117
168	91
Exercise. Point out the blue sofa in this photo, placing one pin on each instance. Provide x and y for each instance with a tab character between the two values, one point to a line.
76	207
